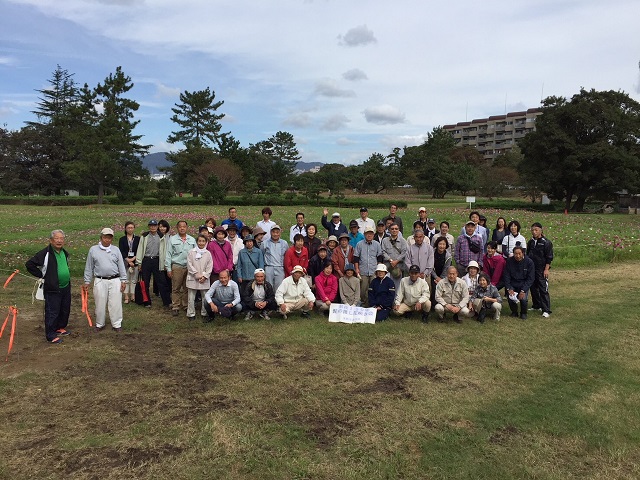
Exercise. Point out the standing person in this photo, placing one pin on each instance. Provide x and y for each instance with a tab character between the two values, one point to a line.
394	253
422	219
326	289
296	255
519	275
540	250
233	219
266	223
105	266
366	257
299	227
220	252
199	268
479	229
499	232
413	295
482	221
354	233
468	248
431	231
178	248
493	265
222	298
342	255
52	264
258	296
381	293
513	239
317	263
420	254
332	244
381	231
452	295
150	258
128	245
441	262
274	250
250	259
294	294
393	209
236	245
335	227
244	231
258	236
364	221
349	286
311	241
444	232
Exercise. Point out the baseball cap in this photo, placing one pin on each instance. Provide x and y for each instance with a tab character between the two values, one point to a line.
153	222
335	214
422	209
106	231
414	269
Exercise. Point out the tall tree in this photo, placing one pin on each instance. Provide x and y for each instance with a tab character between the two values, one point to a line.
107	150
584	148
276	158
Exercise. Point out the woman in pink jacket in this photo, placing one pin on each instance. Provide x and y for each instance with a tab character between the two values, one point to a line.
221	253
326	288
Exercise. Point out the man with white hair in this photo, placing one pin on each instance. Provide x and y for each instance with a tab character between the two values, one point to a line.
452	295
105	266
258	296
294	294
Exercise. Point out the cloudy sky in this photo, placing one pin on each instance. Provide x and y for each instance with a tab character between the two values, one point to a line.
347	78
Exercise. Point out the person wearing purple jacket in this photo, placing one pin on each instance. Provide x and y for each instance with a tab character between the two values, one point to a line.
468	247
221	253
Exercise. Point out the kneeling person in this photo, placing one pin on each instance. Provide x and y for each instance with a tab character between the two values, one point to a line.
486	299
295	294
223	298
413	295
452	295
258	296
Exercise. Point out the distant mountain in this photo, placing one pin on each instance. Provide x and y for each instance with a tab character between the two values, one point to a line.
155	160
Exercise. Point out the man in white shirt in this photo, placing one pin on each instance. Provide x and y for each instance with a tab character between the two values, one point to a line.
364	221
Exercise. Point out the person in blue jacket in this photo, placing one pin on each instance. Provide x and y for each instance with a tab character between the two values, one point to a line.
518	276
382	292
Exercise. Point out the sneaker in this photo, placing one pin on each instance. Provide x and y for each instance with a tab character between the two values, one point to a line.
305	314
265	315
534	308
546	314
98	329
56	341
61	332
248	316
147	306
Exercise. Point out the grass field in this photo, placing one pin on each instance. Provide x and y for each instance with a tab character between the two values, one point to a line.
549	398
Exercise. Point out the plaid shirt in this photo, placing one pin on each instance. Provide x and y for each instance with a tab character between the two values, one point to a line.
463	253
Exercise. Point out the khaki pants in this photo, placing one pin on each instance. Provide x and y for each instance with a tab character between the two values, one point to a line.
178	287
496	308
464	312
365	280
302	305
321	306
404	308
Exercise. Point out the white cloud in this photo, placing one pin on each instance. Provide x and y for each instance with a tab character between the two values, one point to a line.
344	141
301	120
8	61
384	115
335	122
356	36
354	75
6	110
329	88
164	91
393	141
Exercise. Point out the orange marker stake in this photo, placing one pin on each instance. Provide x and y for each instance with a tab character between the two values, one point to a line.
84	301
10	278
13	331
5	322
86	307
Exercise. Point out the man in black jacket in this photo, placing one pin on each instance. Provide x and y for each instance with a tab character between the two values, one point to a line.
52	264
518	276
540	250
258	296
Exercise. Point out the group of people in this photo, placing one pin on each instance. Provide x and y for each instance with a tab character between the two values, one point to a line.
232	268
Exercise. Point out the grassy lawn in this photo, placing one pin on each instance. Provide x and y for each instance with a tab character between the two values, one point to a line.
549	398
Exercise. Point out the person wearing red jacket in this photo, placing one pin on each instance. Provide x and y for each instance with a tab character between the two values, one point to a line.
297	254
326	288
493	264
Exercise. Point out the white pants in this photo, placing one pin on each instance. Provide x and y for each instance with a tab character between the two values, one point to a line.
132	279
106	294
191	303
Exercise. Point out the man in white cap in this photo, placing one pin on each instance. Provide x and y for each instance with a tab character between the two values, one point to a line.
294	294
335	227
258	296
274	250
105	266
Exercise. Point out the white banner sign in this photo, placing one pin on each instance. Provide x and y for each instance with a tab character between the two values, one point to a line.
351	314
471	199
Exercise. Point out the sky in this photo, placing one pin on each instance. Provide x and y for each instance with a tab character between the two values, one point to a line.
347	78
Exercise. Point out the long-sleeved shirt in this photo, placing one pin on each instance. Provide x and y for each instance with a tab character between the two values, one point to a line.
229	293
248	261
382	292
456	293
510	241
104	263
177	250
366	256
411	293
222	255
363	223
394	250
519	275
349	290
274	252
236	246
293	258
340	258
198	268
491	292
336	229
540	251
463	254
291	292
326	287
422	256
494	267
355	239
297	229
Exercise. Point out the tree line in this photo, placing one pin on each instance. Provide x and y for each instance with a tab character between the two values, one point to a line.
84	138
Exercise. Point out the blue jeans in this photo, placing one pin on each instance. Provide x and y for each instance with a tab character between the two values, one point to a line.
57	306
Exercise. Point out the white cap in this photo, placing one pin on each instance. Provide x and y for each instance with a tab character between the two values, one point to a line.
381	267
473	263
297	268
106	231
422	209
258	270
335	214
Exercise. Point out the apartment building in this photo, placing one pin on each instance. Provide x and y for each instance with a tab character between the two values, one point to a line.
494	135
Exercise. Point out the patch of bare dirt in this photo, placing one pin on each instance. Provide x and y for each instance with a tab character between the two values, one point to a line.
396	383
504	435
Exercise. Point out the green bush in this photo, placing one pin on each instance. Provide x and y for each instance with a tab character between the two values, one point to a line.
55	201
517	205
